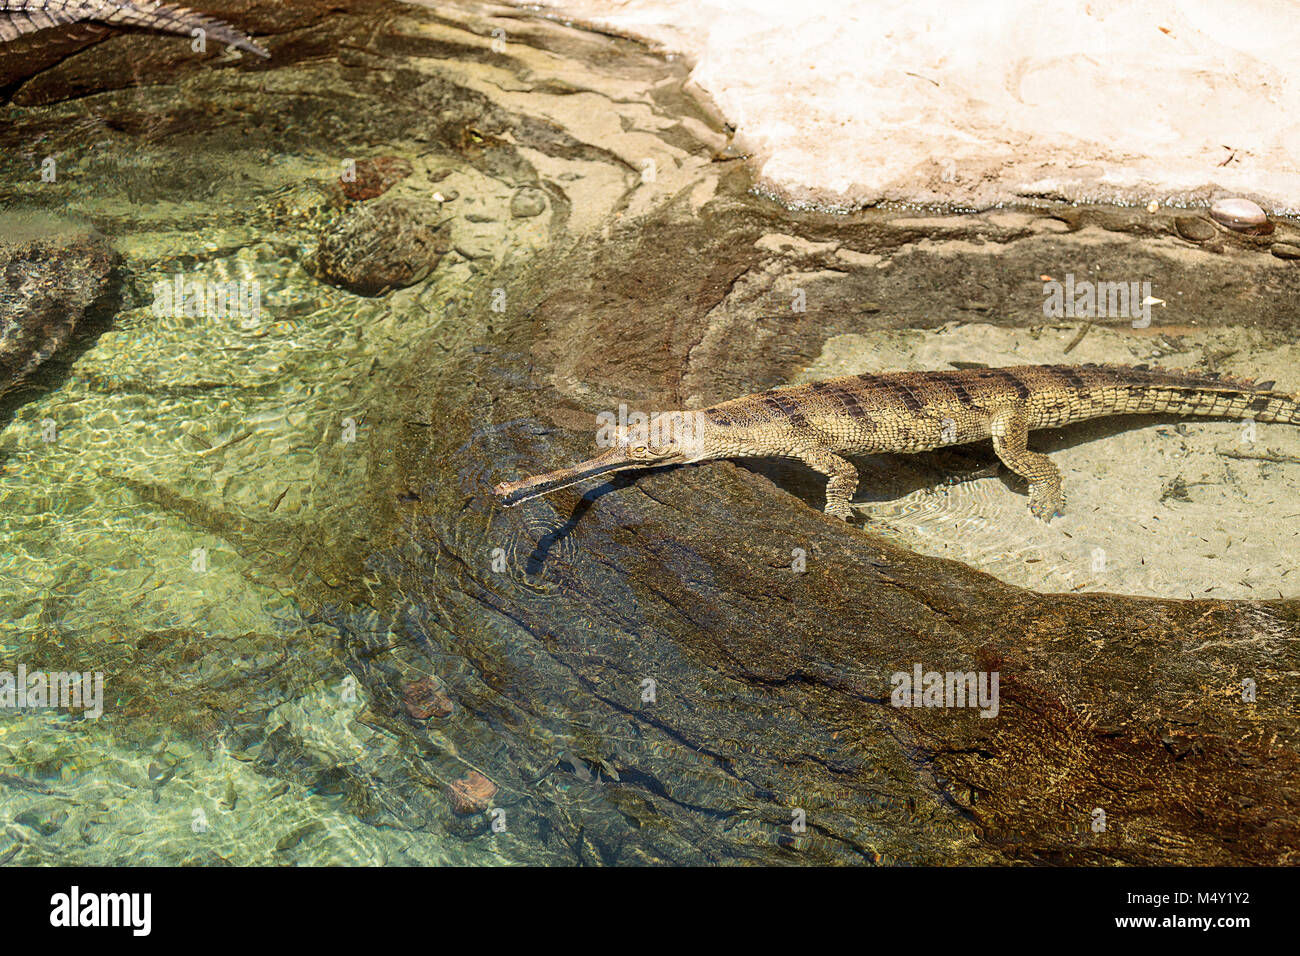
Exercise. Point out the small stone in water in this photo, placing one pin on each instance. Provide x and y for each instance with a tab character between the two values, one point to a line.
374	177
528	202
378	246
1241	215
471	794
427	697
1194	228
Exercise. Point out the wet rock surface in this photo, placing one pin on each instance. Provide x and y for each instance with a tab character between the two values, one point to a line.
769	682
51	275
687	665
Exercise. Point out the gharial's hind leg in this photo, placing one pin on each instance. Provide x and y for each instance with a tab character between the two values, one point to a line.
843	481
1010	441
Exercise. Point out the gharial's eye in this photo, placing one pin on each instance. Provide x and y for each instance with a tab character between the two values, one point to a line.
639	449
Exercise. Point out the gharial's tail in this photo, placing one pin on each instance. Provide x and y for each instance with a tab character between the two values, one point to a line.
171	18
18	17
1175	391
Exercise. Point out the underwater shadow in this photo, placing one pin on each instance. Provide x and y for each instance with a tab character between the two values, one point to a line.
556	538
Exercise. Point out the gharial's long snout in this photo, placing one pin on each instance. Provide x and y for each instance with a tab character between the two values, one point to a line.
512	493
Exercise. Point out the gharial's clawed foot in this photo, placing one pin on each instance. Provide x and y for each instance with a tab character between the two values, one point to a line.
1046	504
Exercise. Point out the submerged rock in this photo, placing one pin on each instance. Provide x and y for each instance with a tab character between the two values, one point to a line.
370	178
472	793
528	202
380	246
1194	228
50	275
427	697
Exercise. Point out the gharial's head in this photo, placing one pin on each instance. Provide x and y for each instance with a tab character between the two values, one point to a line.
670	438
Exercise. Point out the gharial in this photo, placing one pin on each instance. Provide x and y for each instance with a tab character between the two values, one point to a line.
18	17
918	411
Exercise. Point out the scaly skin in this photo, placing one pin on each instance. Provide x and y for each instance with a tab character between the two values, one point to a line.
27	16
918	411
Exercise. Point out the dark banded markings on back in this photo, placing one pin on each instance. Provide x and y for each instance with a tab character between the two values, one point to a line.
963	397
784	408
717	417
1010	379
1070	378
844	395
910	401
1259	404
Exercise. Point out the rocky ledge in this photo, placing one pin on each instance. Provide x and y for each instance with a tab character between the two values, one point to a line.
52	274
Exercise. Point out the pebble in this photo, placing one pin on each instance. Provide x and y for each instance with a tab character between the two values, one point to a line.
427	697
472	793
1241	215
1194	228
528	202
1284	250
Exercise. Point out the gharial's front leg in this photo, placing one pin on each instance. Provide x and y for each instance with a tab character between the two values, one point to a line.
843	481
1010	441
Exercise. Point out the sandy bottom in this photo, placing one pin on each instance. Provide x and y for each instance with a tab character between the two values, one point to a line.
1155	506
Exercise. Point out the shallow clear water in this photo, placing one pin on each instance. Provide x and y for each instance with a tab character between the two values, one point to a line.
167	480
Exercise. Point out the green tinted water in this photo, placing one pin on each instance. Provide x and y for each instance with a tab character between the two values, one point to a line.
164	480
